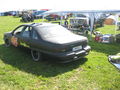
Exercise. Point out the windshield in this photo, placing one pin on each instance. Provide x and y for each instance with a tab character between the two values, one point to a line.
53	31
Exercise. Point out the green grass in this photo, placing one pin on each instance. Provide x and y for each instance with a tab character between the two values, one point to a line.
108	29
19	72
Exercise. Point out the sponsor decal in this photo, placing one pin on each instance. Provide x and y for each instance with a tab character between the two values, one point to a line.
14	41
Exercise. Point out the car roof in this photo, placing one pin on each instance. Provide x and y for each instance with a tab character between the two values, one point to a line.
39	24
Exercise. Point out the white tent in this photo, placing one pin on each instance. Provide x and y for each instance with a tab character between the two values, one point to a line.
91	13
81	11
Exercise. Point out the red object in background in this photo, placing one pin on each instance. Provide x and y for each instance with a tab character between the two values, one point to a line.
54	15
45	9
98	38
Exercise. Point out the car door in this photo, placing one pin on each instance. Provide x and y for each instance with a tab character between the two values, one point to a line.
16	34
37	42
25	36
35	39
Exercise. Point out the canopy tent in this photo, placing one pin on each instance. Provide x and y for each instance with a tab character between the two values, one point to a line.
82	11
92	14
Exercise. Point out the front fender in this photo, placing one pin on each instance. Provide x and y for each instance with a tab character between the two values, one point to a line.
7	36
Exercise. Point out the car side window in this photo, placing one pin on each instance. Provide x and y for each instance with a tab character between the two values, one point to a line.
19	30
34	35
26	32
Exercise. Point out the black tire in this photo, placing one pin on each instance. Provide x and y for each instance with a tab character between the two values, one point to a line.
36	55
7	43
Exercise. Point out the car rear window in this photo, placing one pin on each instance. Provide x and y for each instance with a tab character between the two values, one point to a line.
53	31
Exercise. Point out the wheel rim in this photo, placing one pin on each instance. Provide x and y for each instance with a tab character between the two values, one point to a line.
35	55
7	43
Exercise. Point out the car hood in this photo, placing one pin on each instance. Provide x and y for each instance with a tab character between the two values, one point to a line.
66	39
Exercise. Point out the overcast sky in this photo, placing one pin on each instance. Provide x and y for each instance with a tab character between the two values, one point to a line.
6	5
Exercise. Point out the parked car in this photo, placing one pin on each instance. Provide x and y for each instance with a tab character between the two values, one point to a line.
10	13
50	39
52	17
38	14
79	21
79	25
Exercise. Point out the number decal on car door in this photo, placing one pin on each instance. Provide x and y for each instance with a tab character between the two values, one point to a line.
14	41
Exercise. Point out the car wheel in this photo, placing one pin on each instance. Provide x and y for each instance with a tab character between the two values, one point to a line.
36	55
7	43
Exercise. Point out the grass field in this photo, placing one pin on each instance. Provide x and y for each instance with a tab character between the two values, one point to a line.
19	72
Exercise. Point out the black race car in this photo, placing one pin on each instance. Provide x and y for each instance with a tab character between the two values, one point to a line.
50	39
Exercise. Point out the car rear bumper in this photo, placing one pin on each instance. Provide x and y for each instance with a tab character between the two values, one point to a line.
72	56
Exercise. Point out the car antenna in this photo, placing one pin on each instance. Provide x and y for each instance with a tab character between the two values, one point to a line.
32	23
